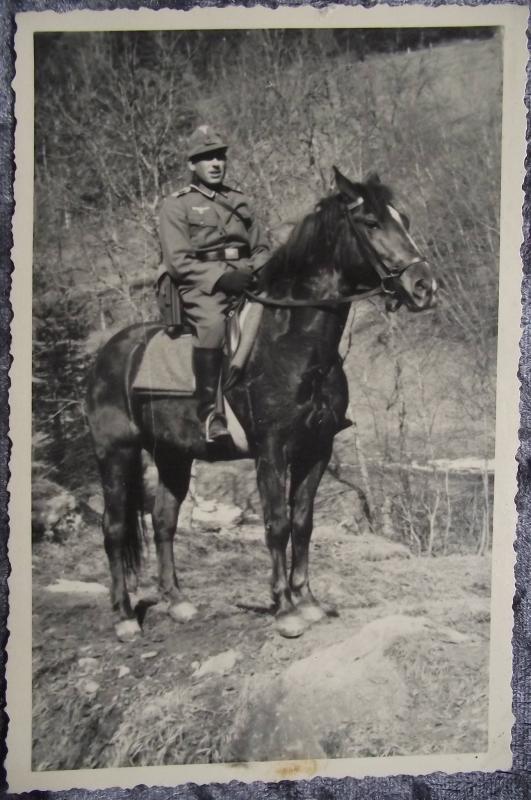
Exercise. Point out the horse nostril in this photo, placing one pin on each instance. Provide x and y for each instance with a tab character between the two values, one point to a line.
422	287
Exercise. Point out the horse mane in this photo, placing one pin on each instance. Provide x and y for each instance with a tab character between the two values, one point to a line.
316	241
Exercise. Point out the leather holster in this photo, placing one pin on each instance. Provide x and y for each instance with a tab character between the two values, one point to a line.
170	305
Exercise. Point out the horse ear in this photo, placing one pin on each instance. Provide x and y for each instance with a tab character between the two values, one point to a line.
373	178
344	186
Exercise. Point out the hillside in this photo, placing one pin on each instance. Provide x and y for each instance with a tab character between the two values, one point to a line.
119	704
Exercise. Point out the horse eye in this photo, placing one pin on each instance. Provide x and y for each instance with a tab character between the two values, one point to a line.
372	223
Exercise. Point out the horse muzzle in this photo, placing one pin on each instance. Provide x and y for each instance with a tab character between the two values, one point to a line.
417	288
423	295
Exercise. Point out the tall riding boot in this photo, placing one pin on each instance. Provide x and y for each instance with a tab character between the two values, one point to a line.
207	369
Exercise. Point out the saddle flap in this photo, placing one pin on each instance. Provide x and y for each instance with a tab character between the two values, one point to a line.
242	328
166	366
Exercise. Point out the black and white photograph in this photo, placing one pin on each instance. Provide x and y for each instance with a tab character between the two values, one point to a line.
268	438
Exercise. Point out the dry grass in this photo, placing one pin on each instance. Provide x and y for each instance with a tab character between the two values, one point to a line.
449	695
158	714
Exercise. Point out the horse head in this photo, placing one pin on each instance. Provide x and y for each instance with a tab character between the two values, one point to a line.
381	236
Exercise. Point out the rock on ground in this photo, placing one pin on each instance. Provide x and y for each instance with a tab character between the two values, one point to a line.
87	687
369	546
64	586
150	654
54	510
88	663
123	671
218	665
96	504
306	710
215	516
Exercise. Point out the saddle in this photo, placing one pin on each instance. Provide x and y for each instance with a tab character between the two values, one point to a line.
166	365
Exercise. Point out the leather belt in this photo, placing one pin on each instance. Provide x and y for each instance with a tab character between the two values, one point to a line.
224	253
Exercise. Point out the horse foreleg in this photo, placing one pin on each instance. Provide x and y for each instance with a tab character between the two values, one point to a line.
271	472
174	481
304	483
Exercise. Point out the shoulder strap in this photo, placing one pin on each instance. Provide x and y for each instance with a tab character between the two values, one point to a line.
196	187
232	189
227	206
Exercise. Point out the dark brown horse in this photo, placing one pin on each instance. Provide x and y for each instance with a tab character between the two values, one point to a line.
291	399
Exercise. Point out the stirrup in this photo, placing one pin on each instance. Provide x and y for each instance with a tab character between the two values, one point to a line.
222	430
344	424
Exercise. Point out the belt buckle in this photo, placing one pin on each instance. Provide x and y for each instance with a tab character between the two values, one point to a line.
232	253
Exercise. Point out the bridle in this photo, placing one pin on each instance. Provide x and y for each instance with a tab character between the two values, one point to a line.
389	276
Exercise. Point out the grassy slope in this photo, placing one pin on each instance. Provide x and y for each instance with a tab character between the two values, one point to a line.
159	714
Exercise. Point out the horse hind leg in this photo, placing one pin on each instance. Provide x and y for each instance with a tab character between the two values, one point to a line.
121	479
174	481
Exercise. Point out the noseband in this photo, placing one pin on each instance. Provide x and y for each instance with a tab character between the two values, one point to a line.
389	276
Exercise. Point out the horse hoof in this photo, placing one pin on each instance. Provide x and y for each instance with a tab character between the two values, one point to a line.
127	630
183	612
290	626
311	612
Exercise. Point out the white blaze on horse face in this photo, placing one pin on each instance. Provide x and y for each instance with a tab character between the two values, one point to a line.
416	280
392	242
398	219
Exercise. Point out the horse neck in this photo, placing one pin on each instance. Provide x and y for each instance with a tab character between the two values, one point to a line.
312	331
320	284
338	272
321	278
325	325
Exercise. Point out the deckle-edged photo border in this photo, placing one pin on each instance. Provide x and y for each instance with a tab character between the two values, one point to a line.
501	784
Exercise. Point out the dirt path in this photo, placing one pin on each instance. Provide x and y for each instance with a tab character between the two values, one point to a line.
112	703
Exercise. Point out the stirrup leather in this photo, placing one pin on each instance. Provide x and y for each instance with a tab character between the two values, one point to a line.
212	418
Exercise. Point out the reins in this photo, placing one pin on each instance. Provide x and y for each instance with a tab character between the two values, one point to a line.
386	276
325	302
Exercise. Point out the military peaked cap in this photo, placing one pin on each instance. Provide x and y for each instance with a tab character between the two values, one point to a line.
204	140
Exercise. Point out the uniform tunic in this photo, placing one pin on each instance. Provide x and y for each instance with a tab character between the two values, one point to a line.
193	220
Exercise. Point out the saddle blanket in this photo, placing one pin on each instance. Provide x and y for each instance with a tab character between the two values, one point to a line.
166	367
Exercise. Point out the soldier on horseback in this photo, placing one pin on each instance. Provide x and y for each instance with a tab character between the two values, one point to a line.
293	394
212	246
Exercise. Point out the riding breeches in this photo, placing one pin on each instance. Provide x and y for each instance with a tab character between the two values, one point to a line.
206	314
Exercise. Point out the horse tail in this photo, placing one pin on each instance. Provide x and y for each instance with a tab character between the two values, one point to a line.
136	533
135	511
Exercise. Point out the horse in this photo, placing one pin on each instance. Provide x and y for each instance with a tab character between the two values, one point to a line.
291	399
